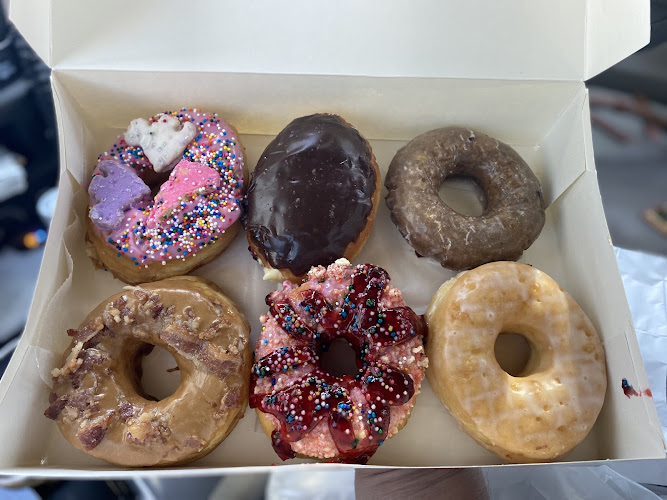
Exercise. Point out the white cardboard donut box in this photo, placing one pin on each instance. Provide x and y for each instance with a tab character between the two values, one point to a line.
513	69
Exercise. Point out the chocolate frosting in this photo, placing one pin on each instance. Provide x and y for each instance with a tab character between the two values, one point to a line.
513	216
310	194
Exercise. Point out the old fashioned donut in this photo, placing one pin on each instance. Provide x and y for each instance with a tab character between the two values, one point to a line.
513	215
548	408
165	198
97	399
312	198
307	410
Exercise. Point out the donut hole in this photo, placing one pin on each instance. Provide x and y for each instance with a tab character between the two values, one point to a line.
463	195
513	353
154	180
339	359
154	191
159	373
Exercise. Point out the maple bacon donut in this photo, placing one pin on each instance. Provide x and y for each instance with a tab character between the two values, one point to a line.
547	409
306	408
97	399
195	163
513	214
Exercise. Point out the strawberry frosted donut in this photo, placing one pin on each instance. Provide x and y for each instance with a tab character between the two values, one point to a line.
305	408
164	198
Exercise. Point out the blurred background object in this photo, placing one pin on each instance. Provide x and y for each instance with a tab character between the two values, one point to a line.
629	118
28	142
630	144
13	176
28	173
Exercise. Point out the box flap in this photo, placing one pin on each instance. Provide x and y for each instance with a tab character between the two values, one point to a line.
512	39
33	19
616	29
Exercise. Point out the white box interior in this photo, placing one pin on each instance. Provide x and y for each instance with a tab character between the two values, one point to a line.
513	39
547	122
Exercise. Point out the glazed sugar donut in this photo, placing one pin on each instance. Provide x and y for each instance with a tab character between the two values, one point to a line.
513	216
197	162
548	408
312	198
310	412
97	399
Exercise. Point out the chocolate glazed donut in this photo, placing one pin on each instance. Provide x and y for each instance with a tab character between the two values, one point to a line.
513	213
312	198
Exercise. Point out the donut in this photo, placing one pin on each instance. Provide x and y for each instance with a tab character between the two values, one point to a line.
513	214
550	406
195	162
312	198
307	410
97	399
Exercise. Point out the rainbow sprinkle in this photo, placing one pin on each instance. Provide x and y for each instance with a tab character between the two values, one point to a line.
201	217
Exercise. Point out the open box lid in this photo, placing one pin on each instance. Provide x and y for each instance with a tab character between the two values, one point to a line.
508	39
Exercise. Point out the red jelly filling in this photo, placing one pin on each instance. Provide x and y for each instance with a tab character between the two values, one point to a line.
315	323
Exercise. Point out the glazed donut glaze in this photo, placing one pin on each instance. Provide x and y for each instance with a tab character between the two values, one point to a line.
548	408
97	399
311	193
513	216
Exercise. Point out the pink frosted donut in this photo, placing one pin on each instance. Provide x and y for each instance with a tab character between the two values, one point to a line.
198	166
310	412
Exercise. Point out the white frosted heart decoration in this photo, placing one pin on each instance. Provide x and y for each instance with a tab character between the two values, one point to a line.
163	141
